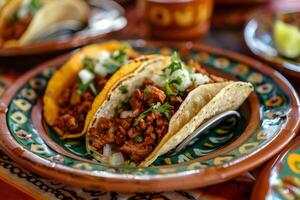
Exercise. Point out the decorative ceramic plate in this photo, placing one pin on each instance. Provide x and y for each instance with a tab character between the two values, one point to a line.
258	37
281	178
105	18
269	121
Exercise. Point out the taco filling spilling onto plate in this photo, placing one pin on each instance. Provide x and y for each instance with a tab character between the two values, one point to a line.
146	117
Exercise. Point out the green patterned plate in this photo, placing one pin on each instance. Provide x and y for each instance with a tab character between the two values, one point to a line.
280	180
270	117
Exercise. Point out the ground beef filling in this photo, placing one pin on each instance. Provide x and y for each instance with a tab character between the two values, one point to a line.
14	30
136	140
74	107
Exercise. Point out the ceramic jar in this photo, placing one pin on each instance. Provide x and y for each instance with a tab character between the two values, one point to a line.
177	19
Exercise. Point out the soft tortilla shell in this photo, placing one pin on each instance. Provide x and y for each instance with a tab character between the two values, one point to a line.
197	105
110	96
52	12
66	75
229	97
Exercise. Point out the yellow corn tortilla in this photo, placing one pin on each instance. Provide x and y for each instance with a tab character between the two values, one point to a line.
202	103
51	13
66	75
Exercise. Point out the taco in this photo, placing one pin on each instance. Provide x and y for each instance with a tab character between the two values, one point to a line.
71	90
3	3
150	111
22	21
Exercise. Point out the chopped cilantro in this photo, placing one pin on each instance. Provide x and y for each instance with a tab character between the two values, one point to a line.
176	62
146	94
118	107
115	61
123	89
111	67
169	91
34	6
164	109
120	56
93	88
191	70
82	87
129	163
88	63
85	87
175	57
139	139
177	81
125	104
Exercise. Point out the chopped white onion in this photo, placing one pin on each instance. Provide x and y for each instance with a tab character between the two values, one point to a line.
86	76
103	55
107	150
24	9
185	77
100	69
200	78
157	79
115	53
116	159
126	114
167	71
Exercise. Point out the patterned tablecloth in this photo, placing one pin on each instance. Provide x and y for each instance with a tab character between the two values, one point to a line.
18	183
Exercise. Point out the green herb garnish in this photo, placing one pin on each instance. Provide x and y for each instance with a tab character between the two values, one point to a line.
139	139
117	59
34	6
164	109
111	66
85	87
176	81
120	56
129	163
176	63
125	104
88	63
169	91
93	89
191	70
82	87
146	94
123	89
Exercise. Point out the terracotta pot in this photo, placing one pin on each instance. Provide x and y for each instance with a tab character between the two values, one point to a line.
177	19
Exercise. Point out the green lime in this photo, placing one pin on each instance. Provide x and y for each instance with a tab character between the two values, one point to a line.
287	39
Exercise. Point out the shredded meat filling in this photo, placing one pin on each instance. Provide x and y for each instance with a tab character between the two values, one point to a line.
14	30
136	141
74	107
